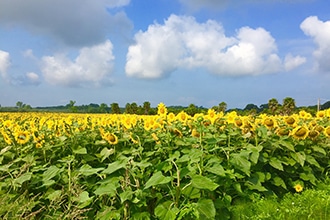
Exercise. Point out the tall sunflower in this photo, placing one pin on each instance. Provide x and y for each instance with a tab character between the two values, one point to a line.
300	132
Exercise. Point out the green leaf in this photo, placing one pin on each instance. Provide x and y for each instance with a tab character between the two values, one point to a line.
278	181
50	173
87	170
319	150
300	157
287	145
80	150
54	195
141	216
23	178
277	164
105	153
126	195
311	160
84	199
240	162
106	189
165	212
157	179
254	157
113	167
202	182
206	209
216	169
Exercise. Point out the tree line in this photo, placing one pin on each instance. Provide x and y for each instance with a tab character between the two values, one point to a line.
273	106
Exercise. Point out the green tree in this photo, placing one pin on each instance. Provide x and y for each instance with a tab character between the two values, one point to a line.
115	108
146	107
273	105
72	106
222	107
288	106
103	108
192	110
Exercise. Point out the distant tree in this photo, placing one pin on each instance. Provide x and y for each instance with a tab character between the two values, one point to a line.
134	108
273	105
103	108
146	107
19	104
115	108
192	110
263	107
222	107
72	106
128	109
288	106
251	106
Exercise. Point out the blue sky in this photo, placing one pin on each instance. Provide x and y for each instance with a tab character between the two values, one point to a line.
173	51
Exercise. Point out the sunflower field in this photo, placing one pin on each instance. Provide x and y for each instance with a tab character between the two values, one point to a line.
164	166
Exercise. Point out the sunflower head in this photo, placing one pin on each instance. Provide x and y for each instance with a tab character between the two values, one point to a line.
162	110
298	187
300	132
327	131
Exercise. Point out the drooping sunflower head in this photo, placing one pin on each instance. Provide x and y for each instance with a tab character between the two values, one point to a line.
269	122
300	132
282	131
110	138
313	134
290	120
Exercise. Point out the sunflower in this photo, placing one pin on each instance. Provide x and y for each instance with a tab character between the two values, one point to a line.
290	120
162	110
269	122
195	133
298	187
182	117
282	131
22	137
327	131
300	132
313	134
231	117
111	138
321	114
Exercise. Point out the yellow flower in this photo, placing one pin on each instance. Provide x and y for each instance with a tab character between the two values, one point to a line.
300	132
182	116
195	133
22	137
111	138
321	114
298	188
162	110
269	122
290	121
313	134
327	131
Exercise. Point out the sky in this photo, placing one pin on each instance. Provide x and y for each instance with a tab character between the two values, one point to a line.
178	52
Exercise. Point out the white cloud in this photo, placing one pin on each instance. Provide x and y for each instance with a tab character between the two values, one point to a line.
4	63
320	32
92	67
184	43
74	22
33	78
291	62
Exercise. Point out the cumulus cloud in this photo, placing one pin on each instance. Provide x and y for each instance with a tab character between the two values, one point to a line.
291	62
92	67
33	78
320	32
4	63
184	43
74	22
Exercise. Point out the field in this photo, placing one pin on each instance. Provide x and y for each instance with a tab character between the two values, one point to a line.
164	166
